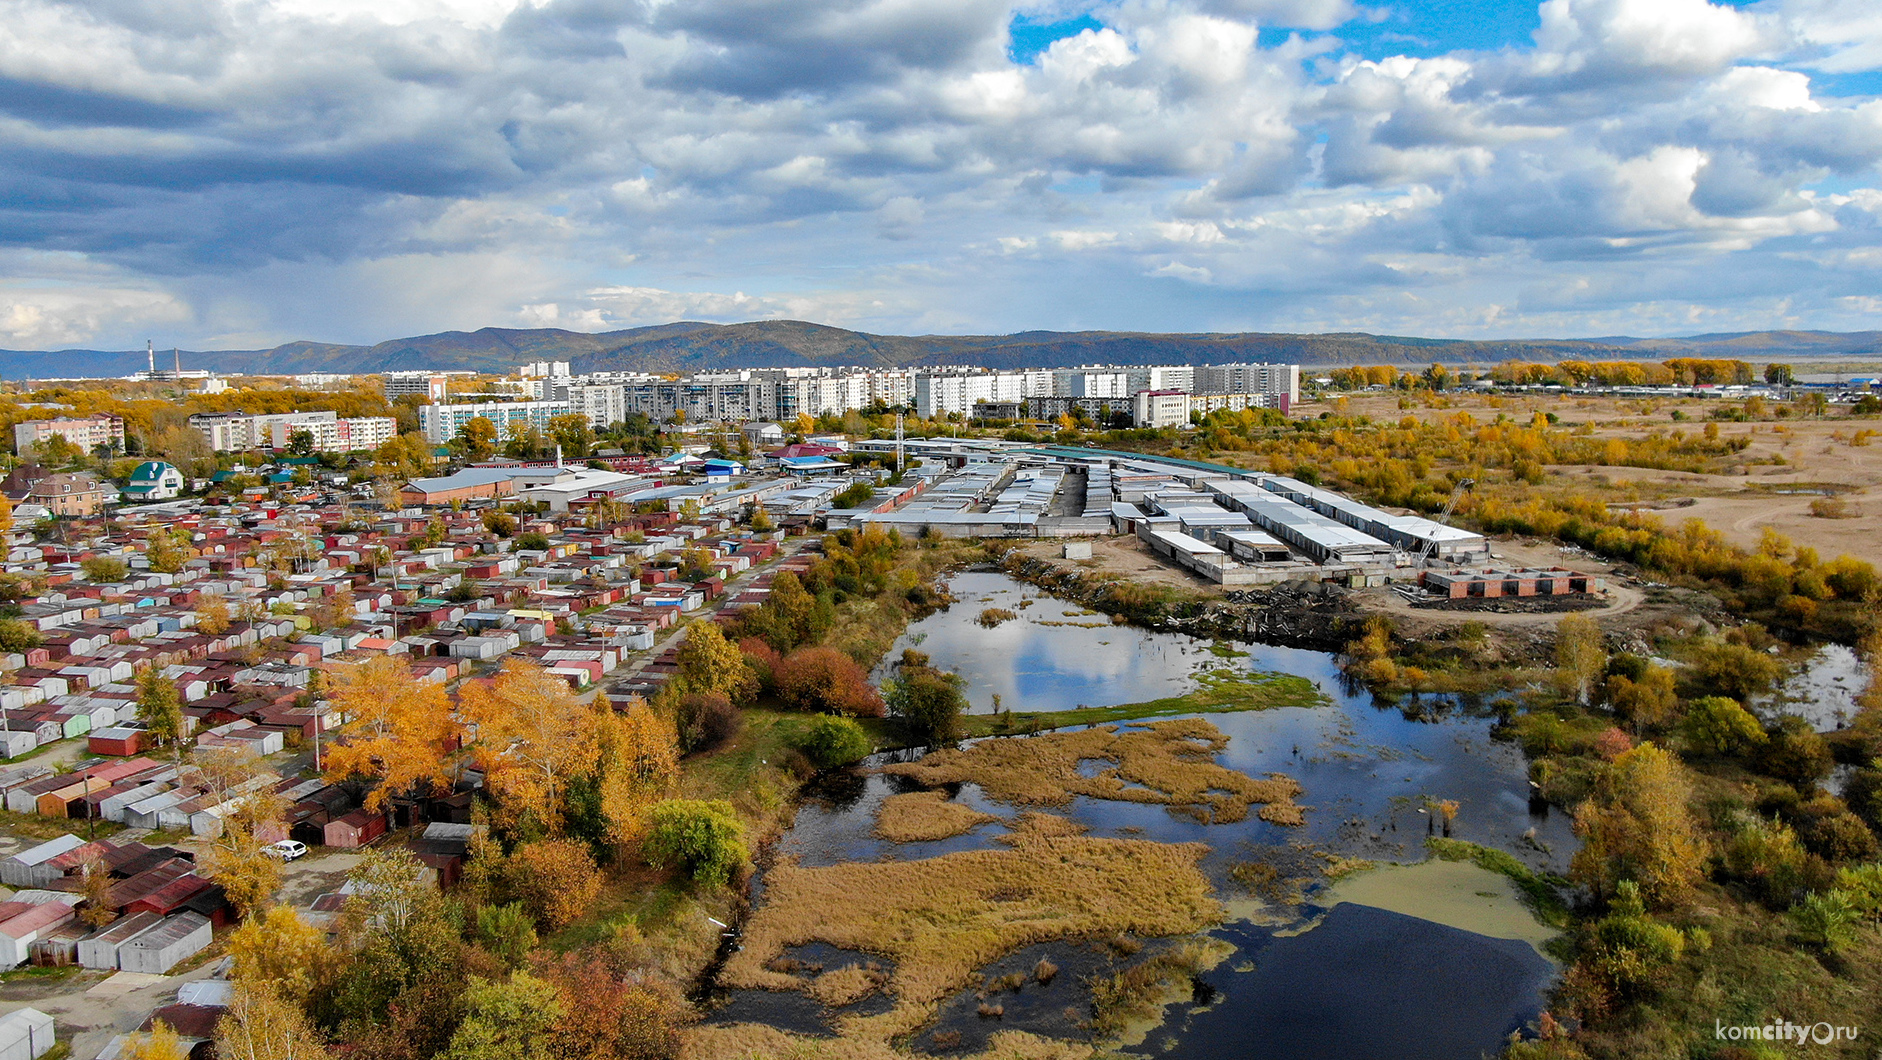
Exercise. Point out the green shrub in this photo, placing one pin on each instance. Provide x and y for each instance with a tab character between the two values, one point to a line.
1717	725
832	741
703	838
1826	921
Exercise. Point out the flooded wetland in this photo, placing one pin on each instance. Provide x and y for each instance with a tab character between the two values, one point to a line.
1228	883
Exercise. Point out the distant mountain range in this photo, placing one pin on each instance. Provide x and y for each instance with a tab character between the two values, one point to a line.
690	347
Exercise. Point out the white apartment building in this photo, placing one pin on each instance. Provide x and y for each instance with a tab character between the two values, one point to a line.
604	404
234	432
441	423
1099	382
544	369
1161	377
1249	379
957	390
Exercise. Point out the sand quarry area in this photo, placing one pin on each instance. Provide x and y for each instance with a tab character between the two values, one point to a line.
1752	494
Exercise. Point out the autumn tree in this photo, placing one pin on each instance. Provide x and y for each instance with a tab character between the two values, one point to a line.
1579	655
396	731
638	762
1647	702
707	662
1635	825
212	615
104	569
611	1016
827	681
506	1020
238	857
164	549
1716	725
761	520
556	878
260	1024
533	736
573	433
160	708
281	952
95	889
479	434
158	1043
389	889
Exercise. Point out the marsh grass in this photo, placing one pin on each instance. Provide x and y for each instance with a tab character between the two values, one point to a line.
1171	763
938	920
993	616
752	1041
847	985
923	816
1126	1004
1219	690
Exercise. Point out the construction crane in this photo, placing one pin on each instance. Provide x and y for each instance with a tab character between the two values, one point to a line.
1431	548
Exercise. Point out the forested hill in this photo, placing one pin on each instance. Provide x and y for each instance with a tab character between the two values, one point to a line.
689	346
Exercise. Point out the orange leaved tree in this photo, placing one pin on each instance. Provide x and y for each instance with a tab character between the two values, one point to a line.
533	735
396	730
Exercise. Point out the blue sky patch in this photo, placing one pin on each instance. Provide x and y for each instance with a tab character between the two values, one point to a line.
1030	38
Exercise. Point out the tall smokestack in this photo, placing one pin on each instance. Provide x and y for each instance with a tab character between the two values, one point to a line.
150	348
178	354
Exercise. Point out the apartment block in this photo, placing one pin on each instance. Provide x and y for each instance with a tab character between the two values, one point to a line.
86	433
441	423
234	432
432	386
1249	379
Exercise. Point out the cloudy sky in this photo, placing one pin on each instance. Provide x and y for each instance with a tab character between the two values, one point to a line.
237	173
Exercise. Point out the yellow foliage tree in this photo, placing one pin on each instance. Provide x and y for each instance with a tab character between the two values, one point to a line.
532	736
238	859
639	759
1580	654
396	730
212	615
262	1025
280	952
1636	826
159	1043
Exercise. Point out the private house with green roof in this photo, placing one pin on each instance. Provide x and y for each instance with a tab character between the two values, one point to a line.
153	480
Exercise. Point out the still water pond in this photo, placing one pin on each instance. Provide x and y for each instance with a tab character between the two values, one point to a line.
1357	981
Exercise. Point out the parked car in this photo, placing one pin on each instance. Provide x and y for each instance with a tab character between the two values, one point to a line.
287	849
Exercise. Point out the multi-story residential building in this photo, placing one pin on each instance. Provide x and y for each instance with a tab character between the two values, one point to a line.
234	432
544	370
87	433
958	390
1249	379
1161	377
1098	382
604	404
432	386
441	423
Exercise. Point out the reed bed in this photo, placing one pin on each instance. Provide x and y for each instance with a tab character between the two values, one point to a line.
1166	762
924	816
938	920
